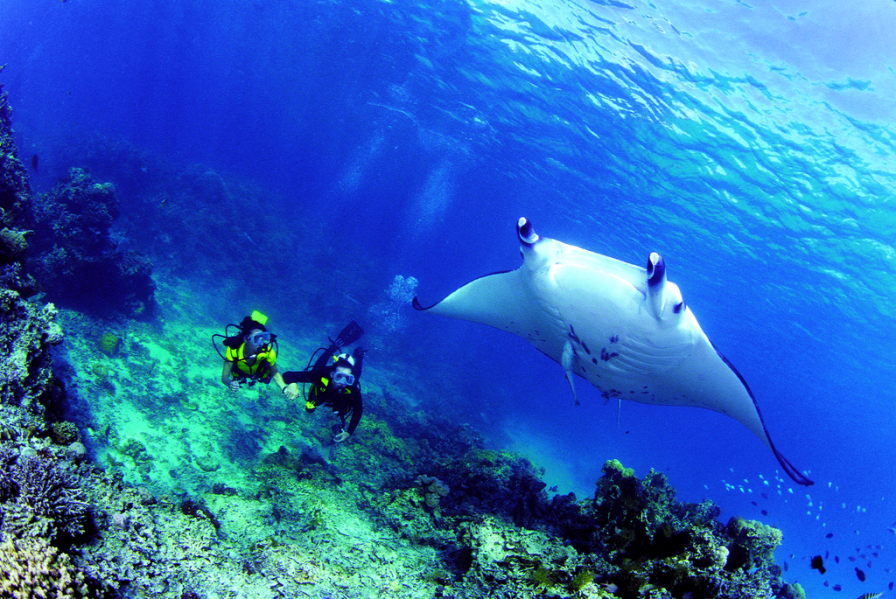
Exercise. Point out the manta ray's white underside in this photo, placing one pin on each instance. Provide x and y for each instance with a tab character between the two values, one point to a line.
623	328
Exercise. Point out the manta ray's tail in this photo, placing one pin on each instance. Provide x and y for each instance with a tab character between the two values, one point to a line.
797	476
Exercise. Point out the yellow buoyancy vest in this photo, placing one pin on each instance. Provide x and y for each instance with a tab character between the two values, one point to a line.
259	369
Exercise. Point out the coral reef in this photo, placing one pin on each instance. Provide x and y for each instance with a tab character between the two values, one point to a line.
183	490
26	335
15	209
41	498
109	343
33	568
433	490
76	261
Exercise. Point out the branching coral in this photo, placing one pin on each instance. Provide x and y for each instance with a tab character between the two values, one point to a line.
33	568
43	500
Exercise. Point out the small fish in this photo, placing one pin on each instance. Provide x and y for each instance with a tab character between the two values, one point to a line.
827	554
764	496
870	596
860	574
818	564
785	566
837	587
754	503
829	535
837	558
890	586
765	512
34	162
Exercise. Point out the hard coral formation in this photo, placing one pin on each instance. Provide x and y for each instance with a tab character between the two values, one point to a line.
27	333
33	568
433	490
76	260
42	499
109	344
15	209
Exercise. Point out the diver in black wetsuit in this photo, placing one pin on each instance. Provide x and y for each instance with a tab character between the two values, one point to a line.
335	381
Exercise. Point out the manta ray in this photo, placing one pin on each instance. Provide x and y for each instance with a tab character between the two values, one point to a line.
623	328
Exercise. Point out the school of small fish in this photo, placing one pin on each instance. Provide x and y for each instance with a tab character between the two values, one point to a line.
769	491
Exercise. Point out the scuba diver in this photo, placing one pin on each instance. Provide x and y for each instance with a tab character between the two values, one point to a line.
251	355
335	381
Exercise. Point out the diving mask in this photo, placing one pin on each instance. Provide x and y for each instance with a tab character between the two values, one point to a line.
260	339
341	379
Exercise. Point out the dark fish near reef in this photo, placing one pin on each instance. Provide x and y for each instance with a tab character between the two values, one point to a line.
860	574
818	564
765	512
785	566
34	162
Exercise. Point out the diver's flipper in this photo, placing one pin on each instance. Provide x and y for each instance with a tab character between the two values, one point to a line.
351	333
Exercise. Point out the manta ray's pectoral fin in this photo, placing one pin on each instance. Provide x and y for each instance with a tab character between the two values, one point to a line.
568	360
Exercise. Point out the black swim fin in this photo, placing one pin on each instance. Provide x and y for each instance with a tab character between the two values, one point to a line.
351	333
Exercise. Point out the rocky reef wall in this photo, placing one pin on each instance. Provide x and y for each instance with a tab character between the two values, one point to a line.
74	257
16	218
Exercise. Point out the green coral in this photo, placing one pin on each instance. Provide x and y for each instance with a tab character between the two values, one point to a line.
109	344
615	469
12	244
581	580
541	577
33	568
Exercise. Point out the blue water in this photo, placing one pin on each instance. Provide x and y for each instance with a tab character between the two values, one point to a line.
752	145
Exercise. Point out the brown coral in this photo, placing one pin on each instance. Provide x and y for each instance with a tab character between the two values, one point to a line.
433	490
12	244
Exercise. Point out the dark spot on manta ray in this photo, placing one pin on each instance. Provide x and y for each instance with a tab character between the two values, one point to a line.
614	339
605	355
587	351
594	360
